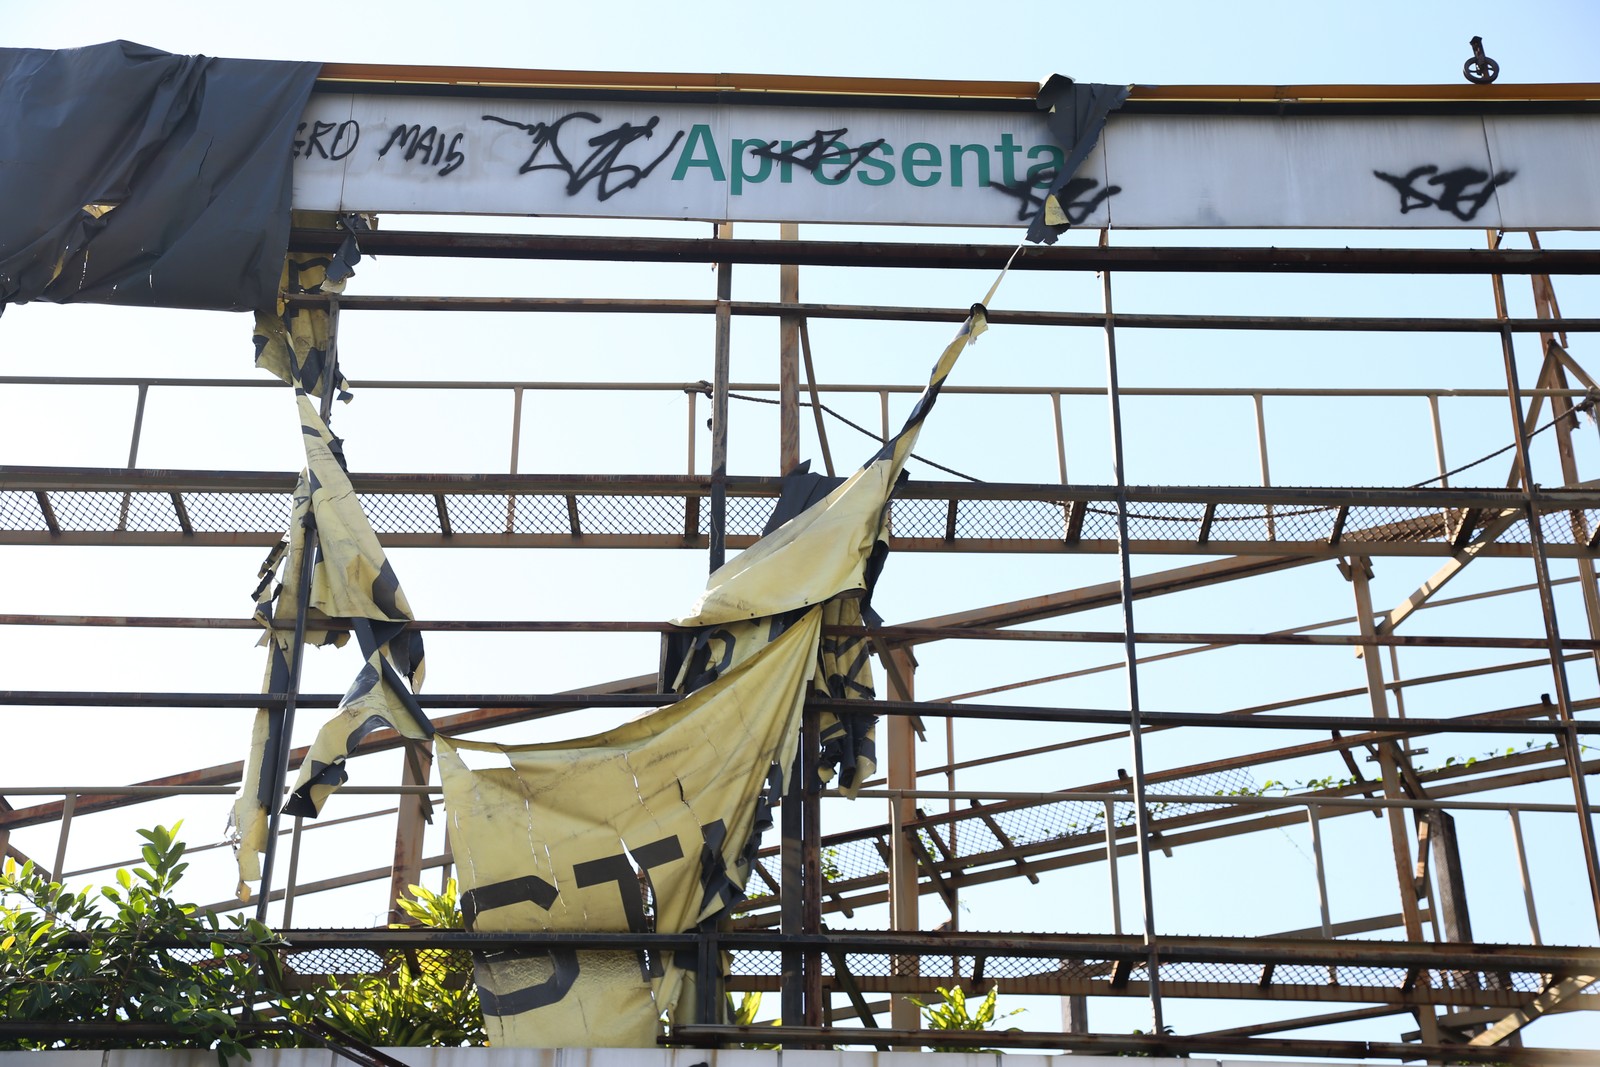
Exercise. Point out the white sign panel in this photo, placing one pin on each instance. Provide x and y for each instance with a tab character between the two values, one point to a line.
746	163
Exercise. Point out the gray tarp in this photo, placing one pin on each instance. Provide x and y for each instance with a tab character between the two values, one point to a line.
133	176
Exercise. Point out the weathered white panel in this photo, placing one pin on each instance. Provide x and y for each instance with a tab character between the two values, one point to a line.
1555	160
745	163
1248	171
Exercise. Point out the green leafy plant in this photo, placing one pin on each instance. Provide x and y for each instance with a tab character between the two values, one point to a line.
952	1014
420	997
83	957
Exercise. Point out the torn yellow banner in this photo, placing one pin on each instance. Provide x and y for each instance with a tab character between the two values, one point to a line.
352	584
823	551
563	836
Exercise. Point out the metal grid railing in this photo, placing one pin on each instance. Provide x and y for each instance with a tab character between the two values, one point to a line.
915	522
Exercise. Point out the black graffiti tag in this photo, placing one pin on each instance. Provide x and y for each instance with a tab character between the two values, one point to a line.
821	147
1452	194
427	146
1030	201
603	165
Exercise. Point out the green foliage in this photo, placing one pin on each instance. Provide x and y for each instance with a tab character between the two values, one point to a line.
420	997
69	957
952	1014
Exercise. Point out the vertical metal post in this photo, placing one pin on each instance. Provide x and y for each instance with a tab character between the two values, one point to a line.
69	804
297	648
1111	866
903	877
1438	452
811	862
692	395
1266	471
1378	698
516	449
791	880
1527	878
405	870
294	875
718	523
1141	817
883	412
1061	437
788	360
1313	818
1547	604
133	452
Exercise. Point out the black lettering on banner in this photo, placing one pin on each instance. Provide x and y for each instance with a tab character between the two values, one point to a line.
427	146
603	166
1030	202
619	870
563	961
821	147
330	140
1452	194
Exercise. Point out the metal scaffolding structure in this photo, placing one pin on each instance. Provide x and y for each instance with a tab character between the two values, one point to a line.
1413	971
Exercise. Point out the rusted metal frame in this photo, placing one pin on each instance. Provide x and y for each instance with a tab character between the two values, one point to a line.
927	634
1316	698
443	511
116	479
1206	519
816	400
1266	472
415	811
287	918
1547	606
788	359
322	885
926	861
516	450
1005	839
1151	1045
1061	257
69	804
1141	814
1358	574
1176	948
133	453
1112	858
691	501
48	512
1554	995
903	889
1209	825
811	859
786	309
721	362
1182	543
1557	360
1205	826
1029	713
224	776
674	538
1313	820
847	981
285	712
1460	557
182	512
1522	868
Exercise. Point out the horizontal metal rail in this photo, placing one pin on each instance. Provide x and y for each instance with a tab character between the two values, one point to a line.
93	505
1016	712
962	256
